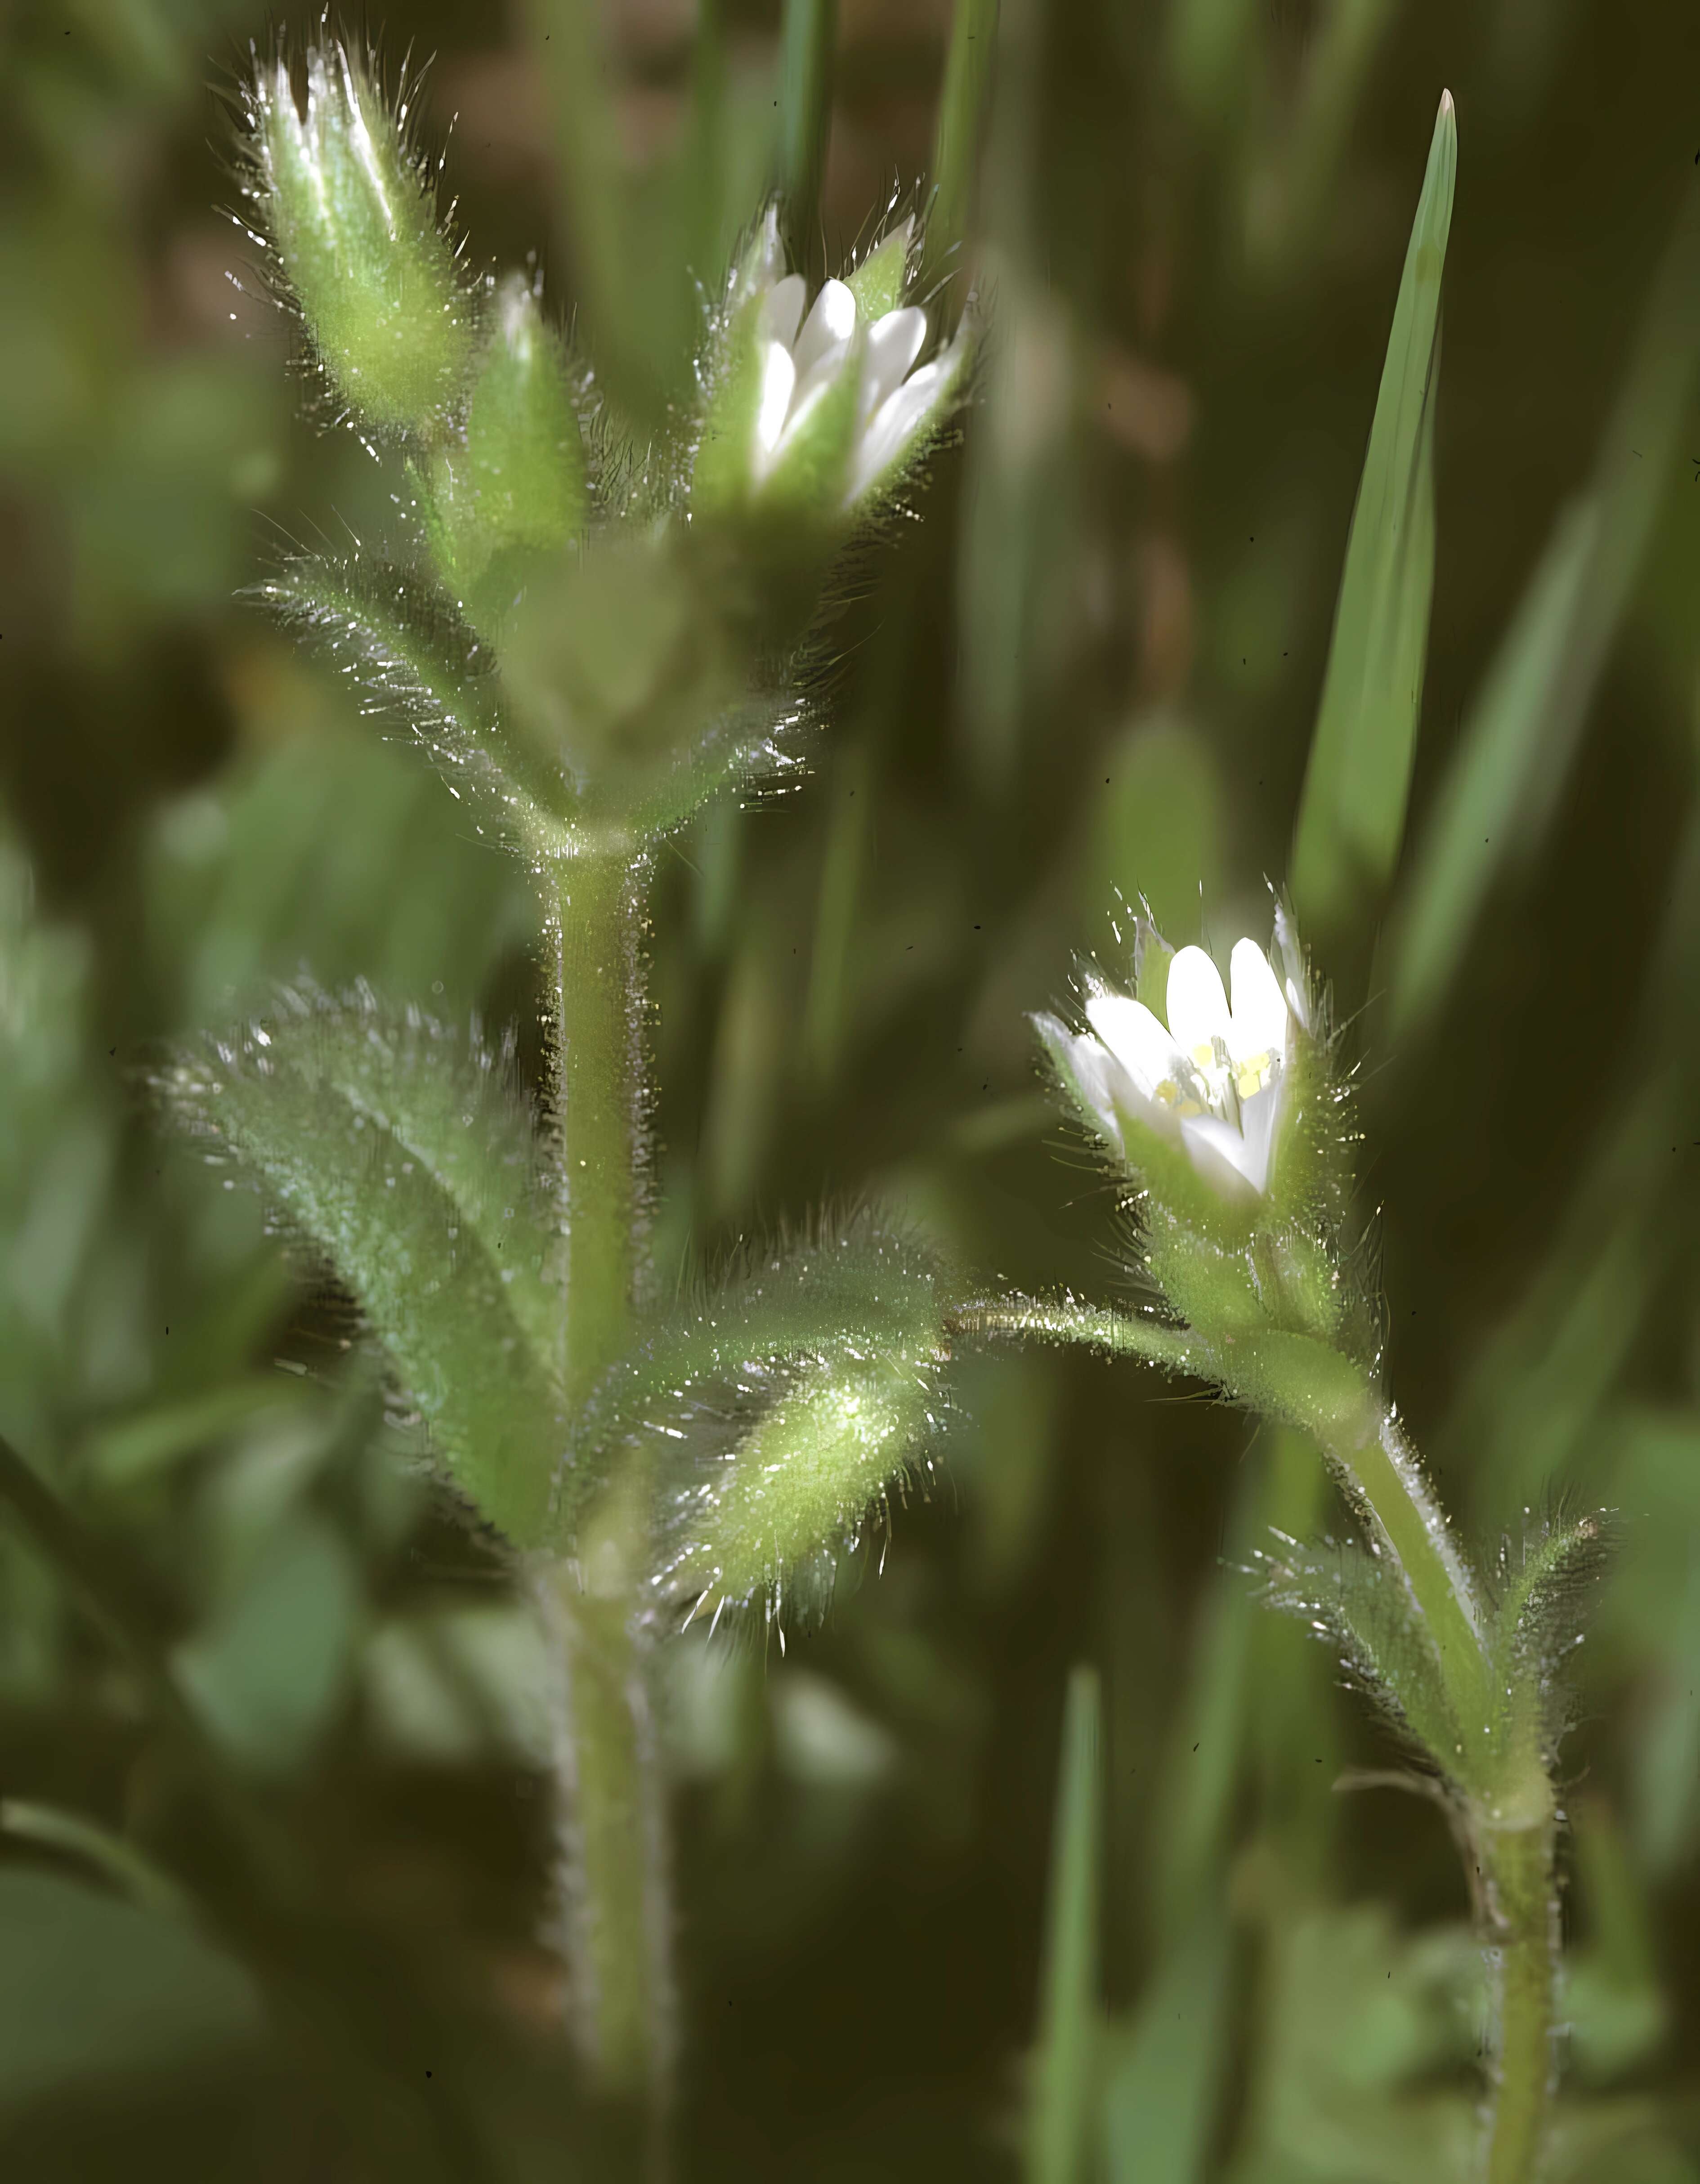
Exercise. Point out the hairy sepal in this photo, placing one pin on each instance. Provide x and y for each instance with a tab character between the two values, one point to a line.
514	485
397	1151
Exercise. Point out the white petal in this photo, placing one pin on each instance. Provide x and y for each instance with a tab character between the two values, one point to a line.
1136	1038
822	372
892	425
1260	1007
1258	1118
1219	1153
778	379
893	342
1100	1077
1197	1002
782	309
832	319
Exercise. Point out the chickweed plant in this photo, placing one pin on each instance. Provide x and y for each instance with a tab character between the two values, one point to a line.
591	633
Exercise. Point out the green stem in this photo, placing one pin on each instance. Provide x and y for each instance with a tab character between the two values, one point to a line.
615	1914
1519	1908
616	1920
1383	1473
599	1101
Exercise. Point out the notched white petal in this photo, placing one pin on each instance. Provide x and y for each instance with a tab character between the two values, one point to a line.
1260	1007
1198	1013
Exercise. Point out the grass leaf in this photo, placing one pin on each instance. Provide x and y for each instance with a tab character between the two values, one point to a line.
1062	2112
1352	814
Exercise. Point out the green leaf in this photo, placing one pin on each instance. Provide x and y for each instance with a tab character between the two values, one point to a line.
1158	832
1162	2087
1363	1599
957	140
1481	817
269	1671
93	1990
403	1157
1061	2110
420	664
1352	814
1505	781
805	113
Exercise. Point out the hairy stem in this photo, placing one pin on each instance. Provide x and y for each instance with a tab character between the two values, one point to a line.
615	1916
594	919
615	1919
1519	1913
1386	1477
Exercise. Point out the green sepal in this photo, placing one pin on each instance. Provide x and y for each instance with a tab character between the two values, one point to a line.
1298	1379
722	468
804	490
878	282
353	221
402	1157
518	485
1211	1285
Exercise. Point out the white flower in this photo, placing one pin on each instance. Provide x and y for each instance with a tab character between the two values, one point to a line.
1213	1077
803	362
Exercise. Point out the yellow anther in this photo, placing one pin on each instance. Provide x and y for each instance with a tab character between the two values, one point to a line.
1168	1091
1204	1054
1253	1075
1190	1107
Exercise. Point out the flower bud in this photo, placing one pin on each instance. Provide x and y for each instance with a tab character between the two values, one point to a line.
517	486
353	222
820	1458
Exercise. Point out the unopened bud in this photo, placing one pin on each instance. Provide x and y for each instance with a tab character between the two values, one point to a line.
517	486
353	222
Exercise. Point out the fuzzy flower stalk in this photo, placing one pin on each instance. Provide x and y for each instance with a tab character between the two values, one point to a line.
1220	1111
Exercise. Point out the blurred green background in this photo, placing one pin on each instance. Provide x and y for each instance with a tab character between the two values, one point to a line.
1092	666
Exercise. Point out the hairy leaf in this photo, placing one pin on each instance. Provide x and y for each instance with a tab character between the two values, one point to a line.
1361	1600
420	664
412	1169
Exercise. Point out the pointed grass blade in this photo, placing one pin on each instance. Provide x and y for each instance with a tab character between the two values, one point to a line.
1353	813
1520	738
1061	2119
